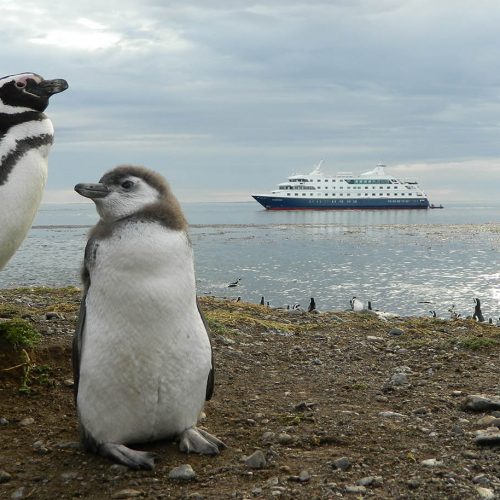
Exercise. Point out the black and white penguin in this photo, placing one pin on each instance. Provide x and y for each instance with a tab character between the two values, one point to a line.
356	304
312	305
478	315
234	283
142	358
26	135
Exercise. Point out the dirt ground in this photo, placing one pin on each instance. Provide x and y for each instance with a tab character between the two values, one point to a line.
342	405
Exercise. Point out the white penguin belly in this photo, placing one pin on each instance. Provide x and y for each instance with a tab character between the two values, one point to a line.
20	198
145	354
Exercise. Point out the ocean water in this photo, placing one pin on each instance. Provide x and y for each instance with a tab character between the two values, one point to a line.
403	261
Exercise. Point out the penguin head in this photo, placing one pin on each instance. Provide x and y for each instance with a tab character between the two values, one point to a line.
28	91
131	190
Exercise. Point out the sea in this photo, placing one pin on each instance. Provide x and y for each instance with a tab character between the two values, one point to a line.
408	262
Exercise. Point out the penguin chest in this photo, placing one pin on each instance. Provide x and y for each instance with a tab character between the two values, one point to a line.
21	191
146	354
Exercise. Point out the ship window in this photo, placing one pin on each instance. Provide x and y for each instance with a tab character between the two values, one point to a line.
326	194
366	194
303	194
288	194
296	194
326	180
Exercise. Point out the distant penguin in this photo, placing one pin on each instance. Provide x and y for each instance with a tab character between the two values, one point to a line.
369	305
433	313
356	304
234	283
312	305
262	301
478	315
142	358
26	135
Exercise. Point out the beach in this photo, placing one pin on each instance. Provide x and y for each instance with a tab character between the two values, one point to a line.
340	404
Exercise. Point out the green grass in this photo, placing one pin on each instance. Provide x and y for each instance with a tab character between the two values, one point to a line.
19	333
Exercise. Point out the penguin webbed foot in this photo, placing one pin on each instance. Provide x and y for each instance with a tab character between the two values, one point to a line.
131	458
194	440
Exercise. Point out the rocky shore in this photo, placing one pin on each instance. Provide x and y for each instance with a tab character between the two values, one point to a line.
331	405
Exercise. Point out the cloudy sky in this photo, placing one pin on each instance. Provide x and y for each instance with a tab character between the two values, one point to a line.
229	97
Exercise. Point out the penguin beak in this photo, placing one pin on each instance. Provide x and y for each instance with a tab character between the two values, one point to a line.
92	191
46	88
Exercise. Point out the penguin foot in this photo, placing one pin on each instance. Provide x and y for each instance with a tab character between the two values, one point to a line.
131	458
194	440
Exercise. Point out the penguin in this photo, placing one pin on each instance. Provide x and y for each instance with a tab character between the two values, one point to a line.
312	306
478	315
433	313
142	356
356	304
26	135
369	307
234	283
262	301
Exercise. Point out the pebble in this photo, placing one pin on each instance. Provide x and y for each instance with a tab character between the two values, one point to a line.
481	402
355	489
370	481
488	421
268	437
396	332
69	382
399	379
390	414
183	472
3	421
68	445
119	468
68	476
19	493
488	437
284	438
486	493
342	463
481	479
27	421
304	476
127	493
53	315
432	462
256	460
4	476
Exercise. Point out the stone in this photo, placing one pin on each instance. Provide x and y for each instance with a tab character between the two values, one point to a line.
486	493
3	421
399	379
370	481
19	493
284	438
127	493
68	476
396	332
268	437
355	489
481	402
184	473
256	460
489	437
4	476
27	421
304	476
53	315
342	463
432	462
69	382
481	479
390	414
69	445
119	468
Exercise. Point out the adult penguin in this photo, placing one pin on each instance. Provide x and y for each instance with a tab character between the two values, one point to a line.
26	135
143	363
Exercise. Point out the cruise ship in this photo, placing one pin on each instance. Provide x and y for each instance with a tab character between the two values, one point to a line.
371	190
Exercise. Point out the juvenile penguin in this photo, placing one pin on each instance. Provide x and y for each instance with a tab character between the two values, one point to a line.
356	304
142	358
26	135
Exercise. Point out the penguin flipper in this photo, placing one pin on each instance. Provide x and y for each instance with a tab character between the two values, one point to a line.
77	346
211	374
194	440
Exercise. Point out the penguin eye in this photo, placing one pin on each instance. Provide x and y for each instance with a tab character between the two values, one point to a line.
127	184
20	85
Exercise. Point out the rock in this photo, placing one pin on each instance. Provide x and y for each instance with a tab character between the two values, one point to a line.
256	460
69	445
3	421
396	332
432	462
488	421
317	361
413	483
268	437
355	489
284	438
481	402
390	414
184	472
342	463
304	476
119	468
53	315
485	493
470	454
370	481
5	477
127	493
19	493
304	406
481	479
399	379
488	437
69	382
68	476
27	421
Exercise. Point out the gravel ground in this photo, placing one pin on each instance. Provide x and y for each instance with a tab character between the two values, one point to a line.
330	405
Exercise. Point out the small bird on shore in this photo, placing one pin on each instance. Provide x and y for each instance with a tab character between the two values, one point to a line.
142	357
356	304
478	315
26	135
234	283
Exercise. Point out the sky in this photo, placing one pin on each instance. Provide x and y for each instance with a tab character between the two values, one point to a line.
227	98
